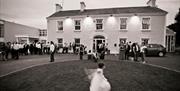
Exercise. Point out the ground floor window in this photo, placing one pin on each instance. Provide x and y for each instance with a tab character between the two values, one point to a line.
43	41
122	40
77	41
145	41
1	30
60	42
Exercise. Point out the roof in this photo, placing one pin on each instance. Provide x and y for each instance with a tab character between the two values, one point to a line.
170	32
119	10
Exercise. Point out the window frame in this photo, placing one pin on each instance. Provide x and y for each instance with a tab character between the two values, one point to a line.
57	25
122	39
60	43
42	32
99	23
77	25
1	30
77	43
149	23
126	23
142	40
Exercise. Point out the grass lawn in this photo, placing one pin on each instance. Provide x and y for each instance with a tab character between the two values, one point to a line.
70	76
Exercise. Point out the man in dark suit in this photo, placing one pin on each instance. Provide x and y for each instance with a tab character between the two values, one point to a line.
52	51
136	50
127	49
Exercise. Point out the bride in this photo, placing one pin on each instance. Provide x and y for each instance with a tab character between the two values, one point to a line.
98	81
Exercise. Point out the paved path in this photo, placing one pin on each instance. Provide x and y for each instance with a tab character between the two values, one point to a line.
6	67
29	61
169	61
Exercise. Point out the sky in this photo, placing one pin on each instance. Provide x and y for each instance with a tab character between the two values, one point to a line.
34	12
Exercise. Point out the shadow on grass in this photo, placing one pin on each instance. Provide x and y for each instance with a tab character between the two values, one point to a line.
70	76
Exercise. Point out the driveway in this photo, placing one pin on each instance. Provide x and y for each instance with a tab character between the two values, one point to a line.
24	62
6	67
169	61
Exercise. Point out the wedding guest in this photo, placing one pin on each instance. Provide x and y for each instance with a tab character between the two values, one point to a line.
127	51
136	50
142	52
81	52
52	51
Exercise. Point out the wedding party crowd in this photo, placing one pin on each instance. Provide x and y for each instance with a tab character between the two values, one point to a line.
127	51
12	50
132	50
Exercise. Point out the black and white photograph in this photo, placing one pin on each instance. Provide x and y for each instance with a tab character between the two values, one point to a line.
89	45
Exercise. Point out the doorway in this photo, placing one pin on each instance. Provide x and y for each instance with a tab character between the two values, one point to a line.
98	40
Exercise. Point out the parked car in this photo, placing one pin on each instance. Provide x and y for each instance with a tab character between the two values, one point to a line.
155	50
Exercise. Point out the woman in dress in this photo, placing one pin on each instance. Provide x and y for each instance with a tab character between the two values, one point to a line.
98	81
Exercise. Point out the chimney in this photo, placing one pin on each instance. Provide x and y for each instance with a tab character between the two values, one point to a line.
152	3
83	6
58	7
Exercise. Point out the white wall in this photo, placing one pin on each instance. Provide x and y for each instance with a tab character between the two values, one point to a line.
111	30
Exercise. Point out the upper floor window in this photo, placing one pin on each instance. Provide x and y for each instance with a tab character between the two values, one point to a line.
99	24
43	32
60	25
146	23
123	23
77	24
1	30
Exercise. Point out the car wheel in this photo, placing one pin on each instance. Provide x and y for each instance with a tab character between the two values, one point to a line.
161	54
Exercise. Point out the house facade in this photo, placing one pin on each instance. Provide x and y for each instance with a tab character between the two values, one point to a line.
11	32
110	26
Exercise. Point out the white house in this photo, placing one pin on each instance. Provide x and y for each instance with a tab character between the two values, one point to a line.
108	25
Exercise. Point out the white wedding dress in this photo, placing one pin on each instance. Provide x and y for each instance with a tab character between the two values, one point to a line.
99	82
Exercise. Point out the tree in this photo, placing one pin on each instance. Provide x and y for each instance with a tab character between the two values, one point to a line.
176	28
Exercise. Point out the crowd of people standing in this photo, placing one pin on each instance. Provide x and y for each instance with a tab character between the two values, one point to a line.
126	50
14	50
133	50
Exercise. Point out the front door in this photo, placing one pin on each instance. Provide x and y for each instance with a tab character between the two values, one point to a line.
96	41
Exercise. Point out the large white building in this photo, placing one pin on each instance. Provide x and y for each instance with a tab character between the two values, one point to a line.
108	25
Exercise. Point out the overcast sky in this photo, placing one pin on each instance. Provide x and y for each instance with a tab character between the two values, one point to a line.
34	12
